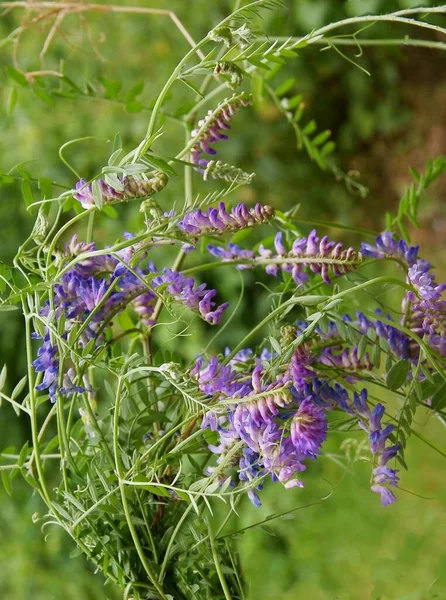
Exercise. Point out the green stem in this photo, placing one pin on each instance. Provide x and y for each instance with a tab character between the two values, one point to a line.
354	41
90	227
172	539
217	565
143	147
62	230
125	505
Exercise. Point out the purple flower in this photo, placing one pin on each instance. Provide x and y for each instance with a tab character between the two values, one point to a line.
383	477
47	362
127	188
210	129
424	311
198	298
232	253
218	220
309	428
322	257
100	286
386	246
424	282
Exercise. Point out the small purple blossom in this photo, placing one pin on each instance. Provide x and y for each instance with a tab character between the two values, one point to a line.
308	428
382	478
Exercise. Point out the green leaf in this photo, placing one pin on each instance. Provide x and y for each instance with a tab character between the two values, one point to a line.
110	211
402	462
362	346
3	374
397	375
134	106
429	388
438	400
160	163
46	187
23	454
153	489
321	137
328	148
97	194
117	143
134	91
27	192
259	64
19	387
298	114
285	87
6	483
17	76
43	95
112	88
310	127
115	157
191	87
8	308
402	438
72	84
376	356
275	345
11	102
268	530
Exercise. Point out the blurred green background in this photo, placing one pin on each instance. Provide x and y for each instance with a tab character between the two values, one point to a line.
348	546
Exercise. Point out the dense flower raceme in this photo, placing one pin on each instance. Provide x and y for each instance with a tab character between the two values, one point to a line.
425	309
279	425
210	128
323	256
383	476
219	220
98	287
124	189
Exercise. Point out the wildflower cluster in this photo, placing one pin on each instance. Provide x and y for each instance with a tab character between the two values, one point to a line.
135	459
273	427
281	423
100	286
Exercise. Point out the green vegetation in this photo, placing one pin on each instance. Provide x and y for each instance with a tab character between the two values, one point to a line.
342	543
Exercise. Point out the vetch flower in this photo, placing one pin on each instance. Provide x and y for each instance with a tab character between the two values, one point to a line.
318	256
126	188
382	478
309	428
198	298
219	220
210	129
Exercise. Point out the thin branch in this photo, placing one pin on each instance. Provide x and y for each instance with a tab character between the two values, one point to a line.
49	38
75	7
354	41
